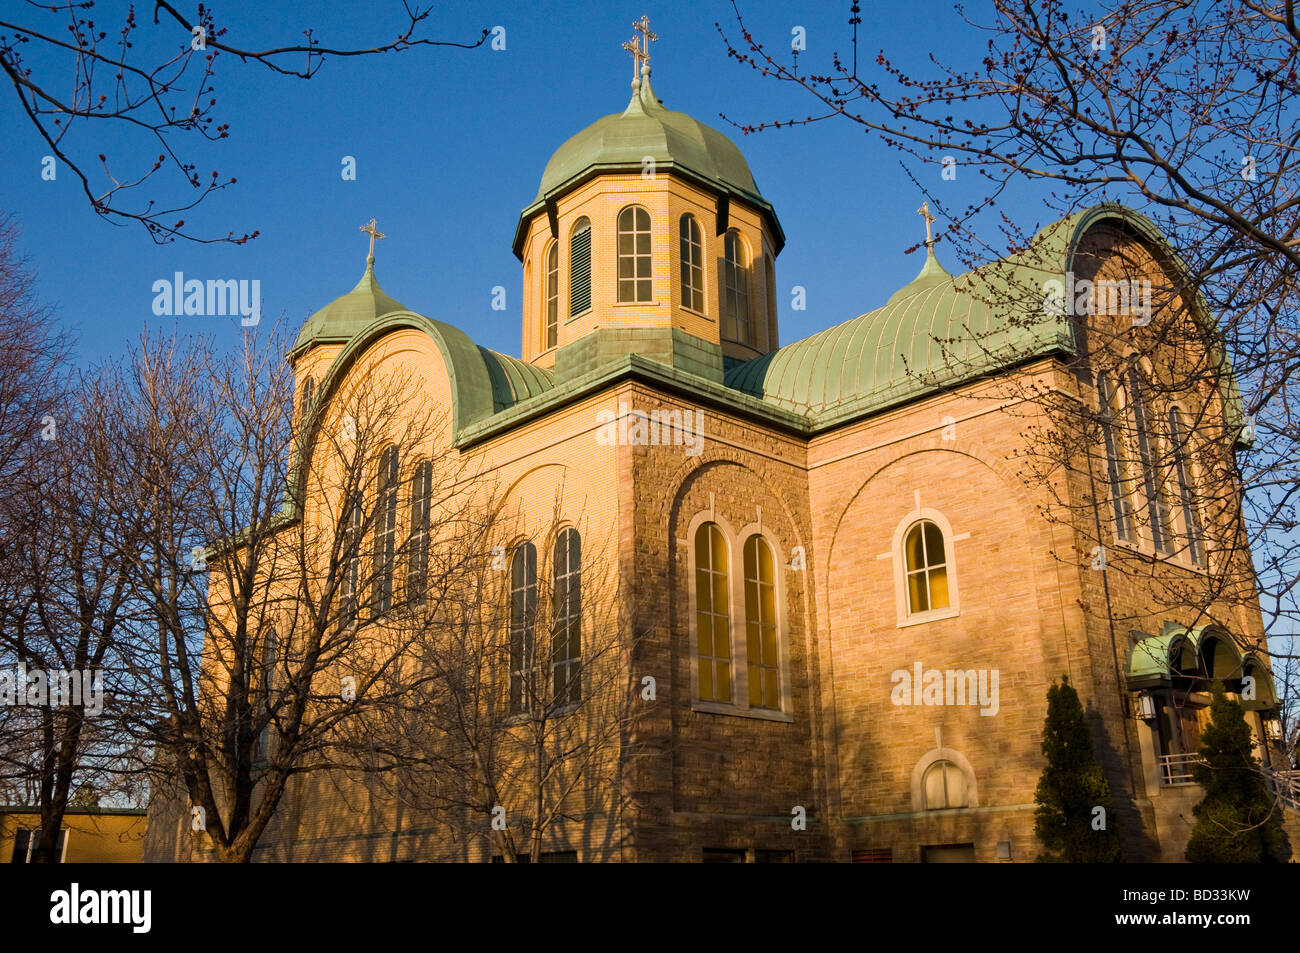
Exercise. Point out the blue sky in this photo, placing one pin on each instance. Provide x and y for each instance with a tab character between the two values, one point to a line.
450	145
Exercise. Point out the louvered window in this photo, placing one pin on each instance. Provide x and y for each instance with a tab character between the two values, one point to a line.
580	268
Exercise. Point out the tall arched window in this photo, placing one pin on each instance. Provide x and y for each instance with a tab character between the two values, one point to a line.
552	295
944	786
712	614
265	702
634	282
566	609
417	570
1157	518
580	267
770	269
385	530
925	564
763	658
1178	438
1121	508
735	289
350	559
692	268
304	402
523	623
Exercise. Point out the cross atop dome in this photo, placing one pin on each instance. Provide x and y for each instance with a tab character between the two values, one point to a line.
639	47
924	212
374	233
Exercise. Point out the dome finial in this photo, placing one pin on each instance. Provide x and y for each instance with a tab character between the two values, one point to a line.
374	233
639	47
924	212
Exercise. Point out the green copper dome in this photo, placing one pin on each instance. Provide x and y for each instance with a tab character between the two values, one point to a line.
343	317
934	331
678	143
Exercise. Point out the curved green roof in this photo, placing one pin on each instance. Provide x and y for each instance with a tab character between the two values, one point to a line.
647	129
344	317
937	330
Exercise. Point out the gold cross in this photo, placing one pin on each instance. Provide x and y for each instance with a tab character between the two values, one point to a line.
642	26
373	233
633	46
924	212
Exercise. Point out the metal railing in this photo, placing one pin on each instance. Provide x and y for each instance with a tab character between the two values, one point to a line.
1177	768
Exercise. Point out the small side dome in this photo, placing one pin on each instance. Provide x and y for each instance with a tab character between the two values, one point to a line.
343	317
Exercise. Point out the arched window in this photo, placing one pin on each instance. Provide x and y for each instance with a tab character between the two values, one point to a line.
566	603
692	254
943	786
771	301
1115	467
1178	437
417	571
1157	518
552	295
925	563
634	282
735	289
580	267
763	658
350	559
523	622
265	702
385	530
712	614
304	402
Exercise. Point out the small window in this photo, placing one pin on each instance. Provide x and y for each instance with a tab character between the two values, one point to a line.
763	660
523	621
634	282
712	614
552	295
944	786
28	840
692	264
566	600
1178	439
417	572
926	566
735	289
304	403
385	531
580	267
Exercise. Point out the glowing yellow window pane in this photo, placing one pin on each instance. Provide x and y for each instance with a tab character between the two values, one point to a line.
912	549
939	588
724	681
706	681
916	596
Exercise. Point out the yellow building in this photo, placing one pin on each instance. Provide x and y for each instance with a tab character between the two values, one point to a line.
103	835
795	534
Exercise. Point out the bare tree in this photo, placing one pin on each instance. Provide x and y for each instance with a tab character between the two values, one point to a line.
69	73
526	723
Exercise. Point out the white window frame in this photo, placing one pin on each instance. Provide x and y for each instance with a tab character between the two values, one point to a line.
736	622
906	616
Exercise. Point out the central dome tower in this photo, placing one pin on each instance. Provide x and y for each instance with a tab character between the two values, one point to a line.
648	235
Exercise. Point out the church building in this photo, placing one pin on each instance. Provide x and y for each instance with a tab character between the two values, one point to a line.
850	595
